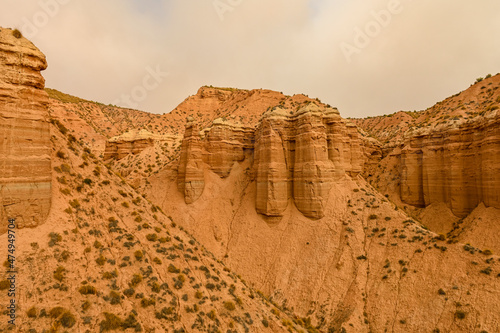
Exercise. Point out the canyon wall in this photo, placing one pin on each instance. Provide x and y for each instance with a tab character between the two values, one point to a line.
294	155
456	164
25	164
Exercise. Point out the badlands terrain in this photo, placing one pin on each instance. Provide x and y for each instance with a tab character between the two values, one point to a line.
246	211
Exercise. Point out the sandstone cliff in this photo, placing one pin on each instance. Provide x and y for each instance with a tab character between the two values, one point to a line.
447	154
458	164
25	166
294	155
190	179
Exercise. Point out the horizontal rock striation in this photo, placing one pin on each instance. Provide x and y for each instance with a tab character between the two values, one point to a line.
458	165
25	164
133	142
295	155
190	180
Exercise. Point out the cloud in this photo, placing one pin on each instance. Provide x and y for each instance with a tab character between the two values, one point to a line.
421	53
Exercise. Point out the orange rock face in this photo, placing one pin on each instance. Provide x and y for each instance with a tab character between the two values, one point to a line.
295	155
190	179
25	165
458	165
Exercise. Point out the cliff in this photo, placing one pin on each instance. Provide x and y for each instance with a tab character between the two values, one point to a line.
25	165
458	164
294	155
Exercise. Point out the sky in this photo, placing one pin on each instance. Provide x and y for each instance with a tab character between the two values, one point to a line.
366	57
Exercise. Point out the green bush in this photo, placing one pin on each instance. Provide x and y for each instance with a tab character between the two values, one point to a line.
229	306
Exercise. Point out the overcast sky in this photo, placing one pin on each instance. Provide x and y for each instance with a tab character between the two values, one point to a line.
365	57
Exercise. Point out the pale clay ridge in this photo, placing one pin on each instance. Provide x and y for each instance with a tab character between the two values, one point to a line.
25	165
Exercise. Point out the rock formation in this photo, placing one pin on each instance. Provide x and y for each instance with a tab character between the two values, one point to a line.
458	164
132	142
294	155
190	180
225	144
25	167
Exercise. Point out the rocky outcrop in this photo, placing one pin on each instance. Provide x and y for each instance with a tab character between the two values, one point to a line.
295	155
312	170
190	180
458	164
226	143
25	165
132	142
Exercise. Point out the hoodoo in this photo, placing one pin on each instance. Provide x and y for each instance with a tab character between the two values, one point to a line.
25	166
295	155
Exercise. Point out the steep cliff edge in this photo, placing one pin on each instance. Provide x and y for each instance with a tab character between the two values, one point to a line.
25	165
293	154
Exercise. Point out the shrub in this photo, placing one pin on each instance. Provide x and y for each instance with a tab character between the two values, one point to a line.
74	204
157	260
136	279
67	319
173	269
487	252
101	260
61	155
54	238
32	312
129	292
152	237
125	204
4	284
138	255
114	297
372	217
198	294
87	290
460	314
112	322
86	305
16	33
109	275
56	312
58	274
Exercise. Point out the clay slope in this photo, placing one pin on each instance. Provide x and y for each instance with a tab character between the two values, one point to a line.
25	177
108	259
348	260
